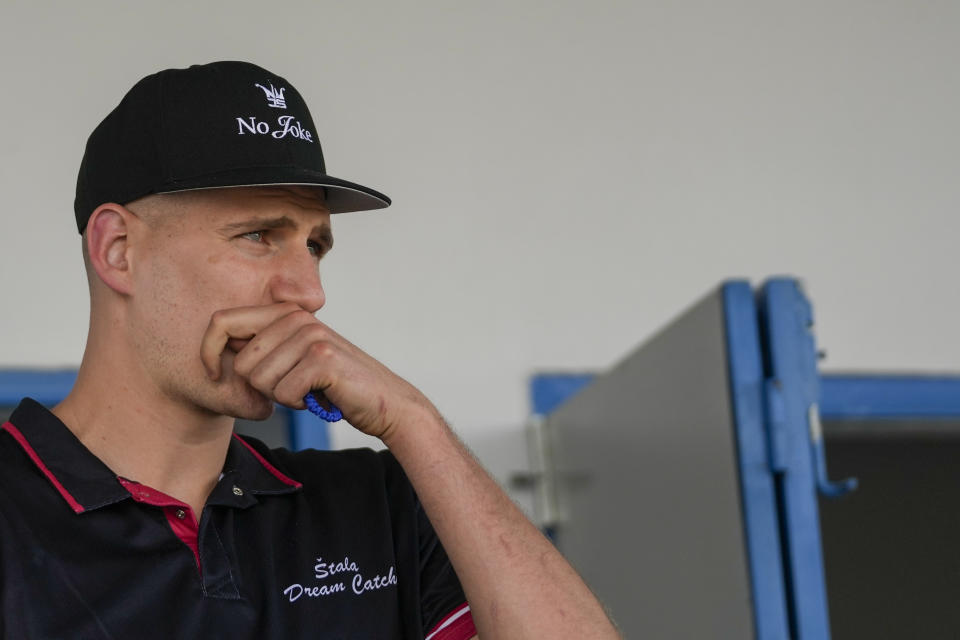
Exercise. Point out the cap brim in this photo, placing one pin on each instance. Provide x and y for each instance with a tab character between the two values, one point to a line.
342	196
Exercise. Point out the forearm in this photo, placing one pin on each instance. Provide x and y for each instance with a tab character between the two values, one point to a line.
518	584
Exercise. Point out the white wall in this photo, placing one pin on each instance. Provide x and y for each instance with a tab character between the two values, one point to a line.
566	176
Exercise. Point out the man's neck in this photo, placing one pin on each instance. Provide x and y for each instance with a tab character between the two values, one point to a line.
143	435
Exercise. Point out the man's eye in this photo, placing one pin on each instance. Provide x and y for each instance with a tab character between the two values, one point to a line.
315	248
256	236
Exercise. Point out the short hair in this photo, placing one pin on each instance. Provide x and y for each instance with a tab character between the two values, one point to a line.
154	210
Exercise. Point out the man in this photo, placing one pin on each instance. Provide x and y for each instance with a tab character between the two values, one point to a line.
131	511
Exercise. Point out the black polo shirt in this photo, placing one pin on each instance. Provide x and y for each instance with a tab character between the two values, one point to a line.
313	544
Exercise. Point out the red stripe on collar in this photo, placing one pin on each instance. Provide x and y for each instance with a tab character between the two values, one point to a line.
19	437
269	467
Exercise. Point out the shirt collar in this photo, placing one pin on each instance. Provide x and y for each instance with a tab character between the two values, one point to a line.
86	483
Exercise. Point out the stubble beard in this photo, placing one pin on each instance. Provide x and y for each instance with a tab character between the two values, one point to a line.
229	396
172	358
233	396
186	383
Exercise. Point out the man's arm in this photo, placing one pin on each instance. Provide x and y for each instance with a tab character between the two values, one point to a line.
517	583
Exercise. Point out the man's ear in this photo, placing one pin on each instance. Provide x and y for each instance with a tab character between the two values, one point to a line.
108	246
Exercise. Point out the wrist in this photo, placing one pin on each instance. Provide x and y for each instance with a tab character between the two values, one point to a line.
419	429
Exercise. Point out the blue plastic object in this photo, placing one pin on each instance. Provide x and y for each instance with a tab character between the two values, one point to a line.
550	390
826	487
758	497
856	396
786	321
314	407
48	387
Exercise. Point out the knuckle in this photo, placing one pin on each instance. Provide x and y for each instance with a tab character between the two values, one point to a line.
218	318
260	379
321	350
312	333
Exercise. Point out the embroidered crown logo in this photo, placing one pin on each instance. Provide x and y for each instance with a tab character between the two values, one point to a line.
274	97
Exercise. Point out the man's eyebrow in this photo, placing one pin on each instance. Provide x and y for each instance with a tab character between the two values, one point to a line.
323	231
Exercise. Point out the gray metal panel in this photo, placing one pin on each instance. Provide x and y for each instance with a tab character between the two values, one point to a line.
648	487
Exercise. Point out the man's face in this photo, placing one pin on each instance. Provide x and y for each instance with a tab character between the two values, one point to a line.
220	249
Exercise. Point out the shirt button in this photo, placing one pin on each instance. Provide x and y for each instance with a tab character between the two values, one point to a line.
237	491
181	514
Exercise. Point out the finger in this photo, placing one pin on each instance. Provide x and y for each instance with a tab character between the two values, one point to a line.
309	374
270	338
306	344
240	322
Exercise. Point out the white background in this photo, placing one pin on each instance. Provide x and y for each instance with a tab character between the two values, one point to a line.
566	176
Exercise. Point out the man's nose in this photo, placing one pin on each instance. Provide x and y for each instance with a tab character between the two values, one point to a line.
298	281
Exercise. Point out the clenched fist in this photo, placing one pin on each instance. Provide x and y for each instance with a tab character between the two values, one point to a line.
284	352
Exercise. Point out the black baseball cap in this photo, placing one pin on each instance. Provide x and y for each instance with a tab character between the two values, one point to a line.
223	124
